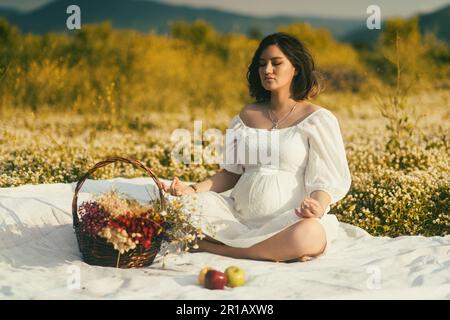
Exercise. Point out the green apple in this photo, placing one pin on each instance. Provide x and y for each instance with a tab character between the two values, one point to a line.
235	276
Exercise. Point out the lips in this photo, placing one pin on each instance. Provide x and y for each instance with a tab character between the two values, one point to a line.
269	78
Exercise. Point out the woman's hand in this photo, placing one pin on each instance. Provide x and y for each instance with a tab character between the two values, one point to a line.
178	188
309	208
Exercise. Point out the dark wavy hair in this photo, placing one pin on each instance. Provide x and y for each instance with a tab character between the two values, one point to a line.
306	84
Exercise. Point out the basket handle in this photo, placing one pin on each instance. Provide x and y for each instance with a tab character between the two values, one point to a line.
104	163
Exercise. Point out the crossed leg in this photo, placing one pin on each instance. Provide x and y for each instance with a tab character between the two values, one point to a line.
299	242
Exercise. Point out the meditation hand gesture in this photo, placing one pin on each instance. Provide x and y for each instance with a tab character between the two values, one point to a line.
309	208
178	188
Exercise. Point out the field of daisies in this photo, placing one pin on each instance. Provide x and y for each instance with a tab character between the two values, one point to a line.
400	190
68	102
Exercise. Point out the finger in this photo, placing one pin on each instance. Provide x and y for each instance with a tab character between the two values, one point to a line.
313	202
313	206
303	213
179	183
306	206
174	190
317	207
172	185
307	213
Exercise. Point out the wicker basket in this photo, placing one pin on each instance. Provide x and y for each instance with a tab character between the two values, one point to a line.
95	249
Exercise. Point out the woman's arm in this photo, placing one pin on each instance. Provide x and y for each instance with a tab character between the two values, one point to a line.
323	198
219	182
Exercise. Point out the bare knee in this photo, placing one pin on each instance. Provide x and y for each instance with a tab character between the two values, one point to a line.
309	238
305	238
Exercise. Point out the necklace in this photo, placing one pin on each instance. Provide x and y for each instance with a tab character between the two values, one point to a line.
277	122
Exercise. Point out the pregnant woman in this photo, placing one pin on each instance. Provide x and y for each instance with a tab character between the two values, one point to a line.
277	212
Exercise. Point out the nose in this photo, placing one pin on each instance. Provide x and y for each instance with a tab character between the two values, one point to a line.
268	69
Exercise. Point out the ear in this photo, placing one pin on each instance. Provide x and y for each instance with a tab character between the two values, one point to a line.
295	72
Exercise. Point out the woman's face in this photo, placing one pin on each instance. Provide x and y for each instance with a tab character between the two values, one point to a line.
275	69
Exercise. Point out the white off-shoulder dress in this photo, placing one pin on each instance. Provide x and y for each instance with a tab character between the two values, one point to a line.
262	203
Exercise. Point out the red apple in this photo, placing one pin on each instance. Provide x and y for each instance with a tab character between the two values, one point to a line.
215	280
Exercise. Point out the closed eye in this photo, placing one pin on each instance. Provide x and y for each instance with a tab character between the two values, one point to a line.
275	64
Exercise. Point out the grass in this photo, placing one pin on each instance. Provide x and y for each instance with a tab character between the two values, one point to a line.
394	192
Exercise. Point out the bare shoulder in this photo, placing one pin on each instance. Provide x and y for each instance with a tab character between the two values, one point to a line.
310	107
254	111
249	110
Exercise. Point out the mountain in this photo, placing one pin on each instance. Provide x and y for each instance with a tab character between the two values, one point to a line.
148	16
5	12
437	22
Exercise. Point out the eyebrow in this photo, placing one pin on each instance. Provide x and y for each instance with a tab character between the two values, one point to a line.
261	59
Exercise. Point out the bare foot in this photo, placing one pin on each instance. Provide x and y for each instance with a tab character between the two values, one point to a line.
301	259
305	258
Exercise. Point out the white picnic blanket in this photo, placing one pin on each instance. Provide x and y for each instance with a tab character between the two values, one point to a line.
39	259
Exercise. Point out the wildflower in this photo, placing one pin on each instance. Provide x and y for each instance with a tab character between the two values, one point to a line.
126	223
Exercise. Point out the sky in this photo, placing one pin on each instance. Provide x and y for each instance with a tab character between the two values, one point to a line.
324	8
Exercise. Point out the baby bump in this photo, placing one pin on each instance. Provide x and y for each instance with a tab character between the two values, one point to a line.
258	194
